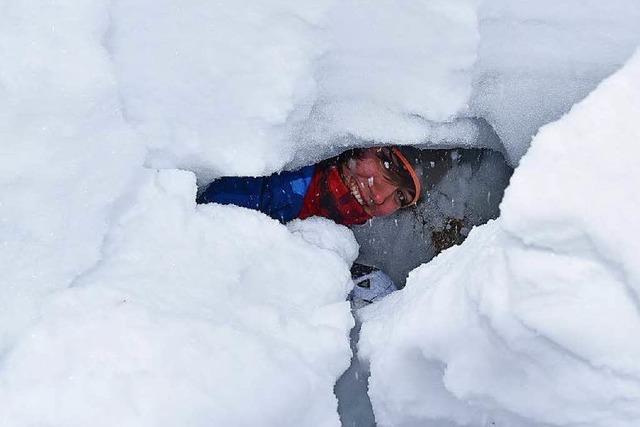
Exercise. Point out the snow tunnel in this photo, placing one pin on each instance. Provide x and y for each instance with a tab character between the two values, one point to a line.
462	188
123	303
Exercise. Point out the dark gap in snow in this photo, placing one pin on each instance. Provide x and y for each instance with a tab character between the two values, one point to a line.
354	406
465	179
464	189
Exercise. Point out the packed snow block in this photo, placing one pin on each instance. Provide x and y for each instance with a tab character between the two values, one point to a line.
249	88
395	70
534	319
216	87
195	315
585	208
536	59
66	154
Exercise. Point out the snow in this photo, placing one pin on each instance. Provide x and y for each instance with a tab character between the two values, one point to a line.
66	154
468	188
279	83
207	84
537	59
122	303
190	316
534	319
392	72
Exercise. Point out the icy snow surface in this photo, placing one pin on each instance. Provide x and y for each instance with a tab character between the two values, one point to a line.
121	303
537	58
535	319
224	88
193	316
189	317
283	83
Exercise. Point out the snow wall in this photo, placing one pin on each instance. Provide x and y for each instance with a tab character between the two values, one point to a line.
121	302
534	320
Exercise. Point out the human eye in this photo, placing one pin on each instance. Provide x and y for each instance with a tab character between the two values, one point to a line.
402	198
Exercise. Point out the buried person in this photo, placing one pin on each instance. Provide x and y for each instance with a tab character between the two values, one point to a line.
349	189
451	191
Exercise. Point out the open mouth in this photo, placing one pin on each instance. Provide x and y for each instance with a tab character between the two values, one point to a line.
355	191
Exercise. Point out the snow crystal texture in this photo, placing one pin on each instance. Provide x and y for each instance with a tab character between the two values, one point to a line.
122	303
192	316
534	319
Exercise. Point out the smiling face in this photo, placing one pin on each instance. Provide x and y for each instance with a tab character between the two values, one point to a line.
370	178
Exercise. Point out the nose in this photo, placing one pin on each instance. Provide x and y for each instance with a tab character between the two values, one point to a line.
381	190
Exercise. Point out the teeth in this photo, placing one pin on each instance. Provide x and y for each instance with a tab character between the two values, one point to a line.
355	192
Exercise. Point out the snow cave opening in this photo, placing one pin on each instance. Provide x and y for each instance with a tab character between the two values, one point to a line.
463	187
465	180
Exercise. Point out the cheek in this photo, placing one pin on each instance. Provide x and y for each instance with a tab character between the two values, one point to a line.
366	168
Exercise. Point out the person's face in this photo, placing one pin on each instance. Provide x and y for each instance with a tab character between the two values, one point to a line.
369	182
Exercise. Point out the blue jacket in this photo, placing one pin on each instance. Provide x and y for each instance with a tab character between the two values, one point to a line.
280	195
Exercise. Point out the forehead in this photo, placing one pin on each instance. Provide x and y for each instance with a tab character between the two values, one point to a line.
391	166
371	151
